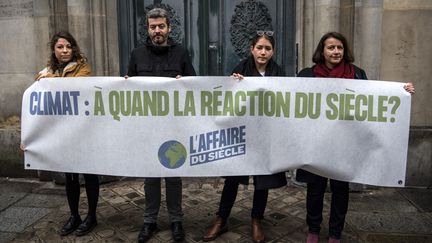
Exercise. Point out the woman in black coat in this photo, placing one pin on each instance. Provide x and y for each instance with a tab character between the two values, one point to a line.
260	63
333	59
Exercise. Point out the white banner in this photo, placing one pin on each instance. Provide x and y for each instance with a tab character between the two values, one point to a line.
351	130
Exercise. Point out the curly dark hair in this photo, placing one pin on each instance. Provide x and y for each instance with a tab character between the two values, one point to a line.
77	56
318	56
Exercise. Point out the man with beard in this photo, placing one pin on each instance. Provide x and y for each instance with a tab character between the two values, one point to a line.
161	57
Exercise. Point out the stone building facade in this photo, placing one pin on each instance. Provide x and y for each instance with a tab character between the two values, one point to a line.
391	41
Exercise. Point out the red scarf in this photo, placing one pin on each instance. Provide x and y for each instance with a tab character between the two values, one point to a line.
343	70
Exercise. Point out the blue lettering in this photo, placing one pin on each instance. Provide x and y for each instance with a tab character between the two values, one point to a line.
217	139
33	107
54	103
45	101
66	104
75	95
218	154
54	107
209	139
201	143
192	149
222	138
242	134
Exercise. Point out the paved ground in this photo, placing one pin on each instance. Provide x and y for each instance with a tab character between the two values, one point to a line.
33	211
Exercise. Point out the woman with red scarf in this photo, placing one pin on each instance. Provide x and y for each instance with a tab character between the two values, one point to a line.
333	59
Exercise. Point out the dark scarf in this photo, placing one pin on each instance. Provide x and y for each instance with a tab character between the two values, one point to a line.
250	68
60	67
343	70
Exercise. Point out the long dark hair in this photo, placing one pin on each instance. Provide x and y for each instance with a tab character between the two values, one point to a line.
77	56
257	37
318	56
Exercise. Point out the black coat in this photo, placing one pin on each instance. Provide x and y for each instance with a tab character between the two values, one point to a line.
303	175
247	68
160	61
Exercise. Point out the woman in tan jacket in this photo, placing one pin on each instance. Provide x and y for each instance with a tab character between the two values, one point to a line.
66	60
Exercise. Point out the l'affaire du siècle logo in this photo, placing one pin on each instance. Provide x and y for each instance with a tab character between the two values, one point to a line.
217	145
204	148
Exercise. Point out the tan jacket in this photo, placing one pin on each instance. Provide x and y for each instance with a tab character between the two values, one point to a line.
73	69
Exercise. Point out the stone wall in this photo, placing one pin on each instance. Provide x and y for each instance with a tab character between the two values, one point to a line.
17	42
407	56
27	26
407	53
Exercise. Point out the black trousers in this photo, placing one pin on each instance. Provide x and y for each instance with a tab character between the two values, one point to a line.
73	192
229	194
338	210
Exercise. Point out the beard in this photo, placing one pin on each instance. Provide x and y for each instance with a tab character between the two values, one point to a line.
159	39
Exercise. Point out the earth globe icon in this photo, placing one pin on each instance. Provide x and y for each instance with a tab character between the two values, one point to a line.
172	154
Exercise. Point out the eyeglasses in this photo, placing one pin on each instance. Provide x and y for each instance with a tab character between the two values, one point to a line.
265	32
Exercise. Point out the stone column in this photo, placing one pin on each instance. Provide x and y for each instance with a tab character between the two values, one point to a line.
346	20
367	37
17	66
319	17
308	36
90	21
80	26
326	17
50	17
